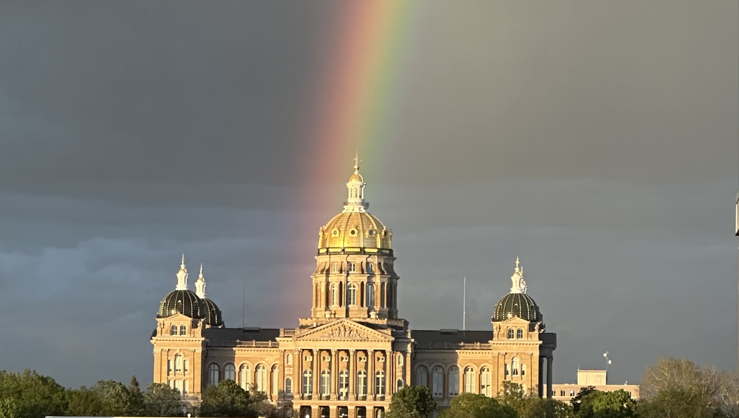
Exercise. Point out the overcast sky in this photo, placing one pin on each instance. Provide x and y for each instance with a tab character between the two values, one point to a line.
598	141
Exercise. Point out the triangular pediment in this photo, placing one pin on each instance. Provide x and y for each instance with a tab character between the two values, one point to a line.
343	330
515	321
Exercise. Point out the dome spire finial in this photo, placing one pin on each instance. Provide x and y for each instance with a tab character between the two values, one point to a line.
182	276
200	284
356	162
518	284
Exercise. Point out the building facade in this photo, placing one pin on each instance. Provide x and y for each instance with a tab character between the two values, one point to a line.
596	378
354	350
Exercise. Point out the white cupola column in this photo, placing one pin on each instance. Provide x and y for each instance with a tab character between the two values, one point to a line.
200	284
355	201
182	276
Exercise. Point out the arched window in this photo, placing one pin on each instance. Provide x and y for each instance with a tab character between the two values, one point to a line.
289	359
523	370
334	295
183	330
438	381
351	294
288	386
422	376
515	365
173	330
343	384
361	295
485	381
245	377
335	266
325	382
519	334
380	382
507	370
400	359
362	383
351	267
307	382
469	380
510	333
399	384
229	372
275	380
370	295
370	268
213	374
453	381
261	379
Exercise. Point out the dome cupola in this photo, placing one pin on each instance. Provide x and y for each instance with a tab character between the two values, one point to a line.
517	303
209	309
181	300
355	229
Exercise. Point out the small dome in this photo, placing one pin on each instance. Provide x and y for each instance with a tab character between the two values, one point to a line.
517	304
211	313
185	302
355	230
356	177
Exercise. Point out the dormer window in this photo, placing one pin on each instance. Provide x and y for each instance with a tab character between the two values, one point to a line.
510	333
173	330
519	334
370	268
352	267
371	233
335	267
183	330
353	232
335	232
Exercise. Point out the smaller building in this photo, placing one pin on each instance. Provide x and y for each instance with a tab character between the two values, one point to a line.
596	378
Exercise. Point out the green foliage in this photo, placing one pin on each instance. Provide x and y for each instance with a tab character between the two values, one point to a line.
412	401
591	403
84	402
229	400
30	395
136	398
471	405
534	407
161	400
116	398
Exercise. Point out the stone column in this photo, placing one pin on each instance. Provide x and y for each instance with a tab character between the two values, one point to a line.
389	376
316	372
352	395
371	374
549	376
298	365
540	373
334	374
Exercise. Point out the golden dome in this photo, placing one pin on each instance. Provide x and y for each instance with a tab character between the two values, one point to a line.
355	231
356	177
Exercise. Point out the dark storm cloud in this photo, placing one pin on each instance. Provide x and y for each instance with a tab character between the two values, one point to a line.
598	141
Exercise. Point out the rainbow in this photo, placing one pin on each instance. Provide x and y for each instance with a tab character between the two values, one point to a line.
359	90
355	98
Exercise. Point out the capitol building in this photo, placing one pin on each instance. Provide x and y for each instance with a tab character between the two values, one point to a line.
353	350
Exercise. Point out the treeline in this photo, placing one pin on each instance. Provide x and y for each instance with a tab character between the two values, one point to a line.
670	389
30	395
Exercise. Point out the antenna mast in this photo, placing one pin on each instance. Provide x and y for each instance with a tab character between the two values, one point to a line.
243	306
464	304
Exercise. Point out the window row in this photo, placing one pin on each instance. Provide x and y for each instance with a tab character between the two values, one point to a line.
515	368
451	377
517	333
180	386
173	330
336	267
343	389
177	365
354	232
256	381
355	295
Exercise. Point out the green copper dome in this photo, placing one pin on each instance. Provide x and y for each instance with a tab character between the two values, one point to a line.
517	304
185	302
211	313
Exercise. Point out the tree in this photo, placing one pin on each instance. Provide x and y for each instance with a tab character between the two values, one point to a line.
9	408
679	387
31	395
160	400
535	407
136	398
84	402
591	403
472	405
412	401
116	398
229	400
